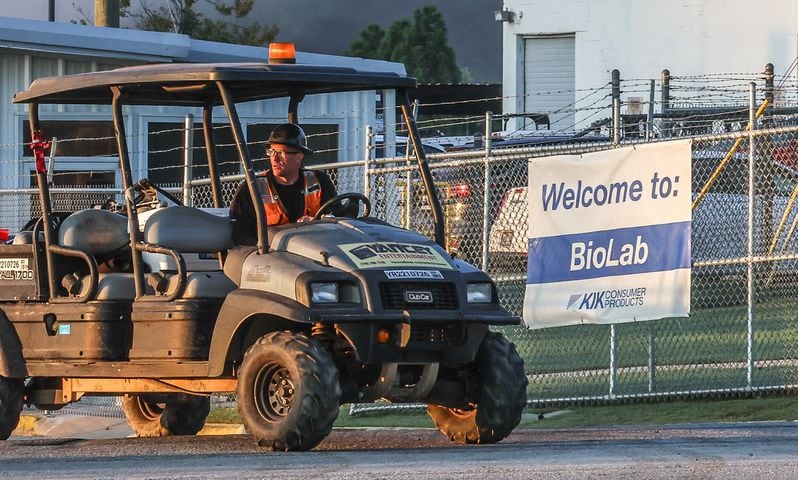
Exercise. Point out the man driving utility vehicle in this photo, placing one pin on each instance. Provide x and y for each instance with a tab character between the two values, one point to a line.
289	192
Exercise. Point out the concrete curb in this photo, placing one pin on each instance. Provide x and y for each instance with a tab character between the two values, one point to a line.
86	427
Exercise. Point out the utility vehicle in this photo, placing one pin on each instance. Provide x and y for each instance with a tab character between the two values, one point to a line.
315	315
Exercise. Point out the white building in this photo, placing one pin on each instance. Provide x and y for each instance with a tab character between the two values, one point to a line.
556	50
30	49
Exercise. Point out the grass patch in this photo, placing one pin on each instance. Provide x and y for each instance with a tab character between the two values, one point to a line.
696	411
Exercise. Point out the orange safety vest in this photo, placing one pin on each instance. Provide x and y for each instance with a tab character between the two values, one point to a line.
275	213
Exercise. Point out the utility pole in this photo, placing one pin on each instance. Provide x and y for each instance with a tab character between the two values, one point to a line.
106	13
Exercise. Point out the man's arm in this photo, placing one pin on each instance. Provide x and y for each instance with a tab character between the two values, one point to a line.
245	225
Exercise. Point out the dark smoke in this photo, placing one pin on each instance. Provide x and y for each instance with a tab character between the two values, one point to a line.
330	26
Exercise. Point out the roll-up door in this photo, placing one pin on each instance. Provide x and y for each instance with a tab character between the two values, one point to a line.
549	80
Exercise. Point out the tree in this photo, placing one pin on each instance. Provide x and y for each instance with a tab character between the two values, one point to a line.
183	16
422	45
364	45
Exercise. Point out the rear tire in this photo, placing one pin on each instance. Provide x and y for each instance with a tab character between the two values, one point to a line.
179	414
288	391
11	393
500	401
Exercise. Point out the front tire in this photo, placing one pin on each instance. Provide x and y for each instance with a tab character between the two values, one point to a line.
500	400
288	391
176	414
11	393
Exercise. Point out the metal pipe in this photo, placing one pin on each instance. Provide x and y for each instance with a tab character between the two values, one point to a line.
127	186
729	155
750	263
51	11
246	163
486	188
188	159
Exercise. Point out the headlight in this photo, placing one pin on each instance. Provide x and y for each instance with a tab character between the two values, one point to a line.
324	292
480	292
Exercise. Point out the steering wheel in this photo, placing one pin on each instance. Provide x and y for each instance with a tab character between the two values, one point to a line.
345	199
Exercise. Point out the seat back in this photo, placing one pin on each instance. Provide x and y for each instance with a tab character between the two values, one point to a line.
99	232
188	230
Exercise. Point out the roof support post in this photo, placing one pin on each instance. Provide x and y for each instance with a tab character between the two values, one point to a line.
46	206
423	167
246	162
130	195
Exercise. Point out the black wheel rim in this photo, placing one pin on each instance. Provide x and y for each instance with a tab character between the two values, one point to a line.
274	391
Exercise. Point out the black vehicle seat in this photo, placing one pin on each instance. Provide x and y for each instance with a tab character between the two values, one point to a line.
103	234
190	230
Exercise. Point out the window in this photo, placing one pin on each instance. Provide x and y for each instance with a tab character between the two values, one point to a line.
165	156
76	138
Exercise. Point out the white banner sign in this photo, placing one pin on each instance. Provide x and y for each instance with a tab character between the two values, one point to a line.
609	236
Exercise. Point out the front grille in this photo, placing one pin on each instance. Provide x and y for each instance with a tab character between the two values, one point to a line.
444	295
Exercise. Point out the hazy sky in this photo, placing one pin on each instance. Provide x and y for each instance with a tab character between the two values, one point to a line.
330	26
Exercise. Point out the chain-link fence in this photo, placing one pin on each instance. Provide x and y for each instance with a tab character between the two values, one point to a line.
740	336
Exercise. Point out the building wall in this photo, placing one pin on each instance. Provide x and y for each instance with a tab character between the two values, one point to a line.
351	112
642	37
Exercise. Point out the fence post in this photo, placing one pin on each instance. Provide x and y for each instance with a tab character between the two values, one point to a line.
650	122
652	368
766	167
616	107
188	160
369	150
51	161
613	360
749	261
665	93
486	187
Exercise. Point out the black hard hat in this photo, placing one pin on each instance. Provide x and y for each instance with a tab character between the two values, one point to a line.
290	134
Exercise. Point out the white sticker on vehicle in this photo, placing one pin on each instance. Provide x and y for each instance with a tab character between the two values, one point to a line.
394	254
15	269
404	274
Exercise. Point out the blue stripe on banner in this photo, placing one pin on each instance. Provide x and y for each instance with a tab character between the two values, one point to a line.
624	251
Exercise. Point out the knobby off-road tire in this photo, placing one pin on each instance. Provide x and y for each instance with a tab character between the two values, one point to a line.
11	392
500	400
180	414
288	391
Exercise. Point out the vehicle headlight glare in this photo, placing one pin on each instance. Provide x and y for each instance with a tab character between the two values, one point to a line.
324	292
480	293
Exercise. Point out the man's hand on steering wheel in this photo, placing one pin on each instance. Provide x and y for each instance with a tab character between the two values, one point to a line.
341	203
